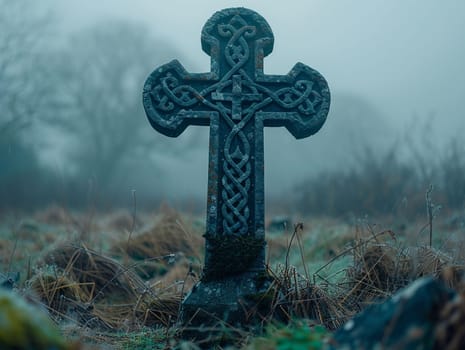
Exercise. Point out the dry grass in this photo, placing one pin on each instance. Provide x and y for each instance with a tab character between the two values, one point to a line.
91	290
55	215
123	221
168	236
380	269
297	297
83	286
380	266
142	285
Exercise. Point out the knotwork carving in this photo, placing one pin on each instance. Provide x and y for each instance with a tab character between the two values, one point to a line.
243	99
169	93
237	51
237	100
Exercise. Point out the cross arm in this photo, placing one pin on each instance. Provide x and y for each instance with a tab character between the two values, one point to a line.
299	101
174	99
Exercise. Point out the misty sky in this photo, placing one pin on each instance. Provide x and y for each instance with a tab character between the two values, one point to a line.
404	58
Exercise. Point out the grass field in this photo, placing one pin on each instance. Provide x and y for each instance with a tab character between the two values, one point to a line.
115	281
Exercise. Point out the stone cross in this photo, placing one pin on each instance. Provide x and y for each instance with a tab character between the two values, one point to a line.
237	100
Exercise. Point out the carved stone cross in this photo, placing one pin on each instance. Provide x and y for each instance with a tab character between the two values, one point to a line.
237	100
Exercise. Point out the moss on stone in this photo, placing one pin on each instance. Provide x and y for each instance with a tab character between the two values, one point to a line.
231	254
23	326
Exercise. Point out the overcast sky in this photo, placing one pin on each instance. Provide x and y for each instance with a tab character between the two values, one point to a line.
404	57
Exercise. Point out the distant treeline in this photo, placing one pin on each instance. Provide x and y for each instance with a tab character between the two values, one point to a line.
378	184
389	184
72	128
25	184
79	103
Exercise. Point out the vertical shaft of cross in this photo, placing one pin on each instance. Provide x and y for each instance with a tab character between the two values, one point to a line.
235	237
236	100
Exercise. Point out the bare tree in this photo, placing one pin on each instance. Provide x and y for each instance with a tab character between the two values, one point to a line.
22	28
98	85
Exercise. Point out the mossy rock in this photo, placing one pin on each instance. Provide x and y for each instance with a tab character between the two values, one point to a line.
25	327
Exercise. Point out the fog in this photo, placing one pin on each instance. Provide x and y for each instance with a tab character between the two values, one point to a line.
394	68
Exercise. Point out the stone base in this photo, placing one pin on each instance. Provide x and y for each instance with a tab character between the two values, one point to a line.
213	308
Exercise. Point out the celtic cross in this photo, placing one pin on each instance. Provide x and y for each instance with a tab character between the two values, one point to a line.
237	100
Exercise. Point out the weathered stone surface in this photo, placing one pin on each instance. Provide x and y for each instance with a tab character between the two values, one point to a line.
406	321
235	301
237	100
